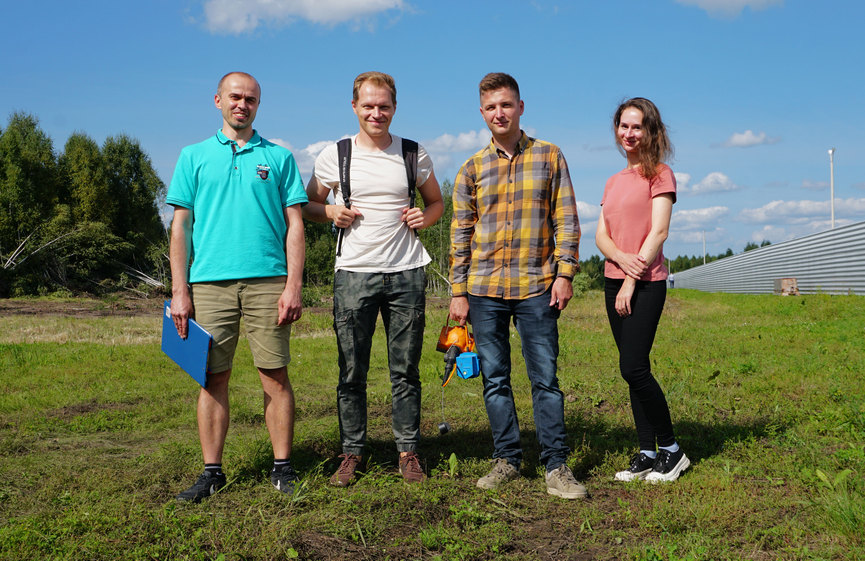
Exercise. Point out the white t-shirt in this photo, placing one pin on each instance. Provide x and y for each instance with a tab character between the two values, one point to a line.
378	241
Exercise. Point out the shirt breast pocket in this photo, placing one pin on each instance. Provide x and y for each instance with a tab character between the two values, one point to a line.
536	181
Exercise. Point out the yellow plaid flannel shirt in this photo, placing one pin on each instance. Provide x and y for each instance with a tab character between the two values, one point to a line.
515	226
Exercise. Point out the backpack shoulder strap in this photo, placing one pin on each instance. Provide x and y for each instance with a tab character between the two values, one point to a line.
409	154
343	157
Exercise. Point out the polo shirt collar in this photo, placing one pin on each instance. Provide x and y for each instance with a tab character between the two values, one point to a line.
254	141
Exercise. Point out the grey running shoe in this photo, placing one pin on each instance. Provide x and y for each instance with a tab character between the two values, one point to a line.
502	472
641	465
345	473
562	483
284	479
668	466
206	485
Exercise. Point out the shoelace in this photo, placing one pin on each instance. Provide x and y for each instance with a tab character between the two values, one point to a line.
348	463
568	476
412	463
662	461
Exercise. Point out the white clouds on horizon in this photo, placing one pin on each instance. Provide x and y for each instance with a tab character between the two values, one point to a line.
748	139
698	218
305	157
800	212
730	8
462	142
233	17
712	235
441	149
715	182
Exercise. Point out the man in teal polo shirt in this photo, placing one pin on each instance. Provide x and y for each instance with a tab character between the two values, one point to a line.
237	200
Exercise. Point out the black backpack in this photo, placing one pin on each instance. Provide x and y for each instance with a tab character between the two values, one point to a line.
343	150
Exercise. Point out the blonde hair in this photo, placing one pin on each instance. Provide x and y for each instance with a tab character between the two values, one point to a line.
376	78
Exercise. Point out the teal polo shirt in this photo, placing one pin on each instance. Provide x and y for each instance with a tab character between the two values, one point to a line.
237	196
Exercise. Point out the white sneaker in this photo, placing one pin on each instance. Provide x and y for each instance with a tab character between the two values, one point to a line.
668	466
641	465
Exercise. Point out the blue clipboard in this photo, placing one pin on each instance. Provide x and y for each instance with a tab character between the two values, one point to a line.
191	353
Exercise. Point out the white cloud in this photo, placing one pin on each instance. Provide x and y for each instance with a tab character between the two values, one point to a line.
786	211
234	17
815	185
801	212
462	142
730	8
715	182
711	235
773	233
305	157
587	211
449	151
748	138
683	181
698	219
776	233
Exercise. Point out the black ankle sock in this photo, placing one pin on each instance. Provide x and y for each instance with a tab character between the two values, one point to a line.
280	463
213	469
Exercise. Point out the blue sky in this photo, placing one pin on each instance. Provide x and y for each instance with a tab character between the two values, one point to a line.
754	92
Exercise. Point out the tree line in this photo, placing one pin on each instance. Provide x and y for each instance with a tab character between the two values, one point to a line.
87	220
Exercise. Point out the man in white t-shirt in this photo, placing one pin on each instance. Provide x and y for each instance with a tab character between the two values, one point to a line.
379	268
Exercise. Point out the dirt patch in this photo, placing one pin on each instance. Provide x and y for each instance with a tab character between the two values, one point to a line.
71	411
80	307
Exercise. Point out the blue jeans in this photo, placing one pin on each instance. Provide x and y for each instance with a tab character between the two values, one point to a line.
357	300
537	325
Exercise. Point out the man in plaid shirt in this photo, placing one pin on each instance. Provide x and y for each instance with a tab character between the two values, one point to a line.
514	252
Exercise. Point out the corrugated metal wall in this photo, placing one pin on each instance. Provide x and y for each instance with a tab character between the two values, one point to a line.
831	262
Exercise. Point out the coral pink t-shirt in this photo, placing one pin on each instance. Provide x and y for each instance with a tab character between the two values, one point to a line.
627	203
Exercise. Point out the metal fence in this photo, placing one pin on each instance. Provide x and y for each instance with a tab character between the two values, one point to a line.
831	262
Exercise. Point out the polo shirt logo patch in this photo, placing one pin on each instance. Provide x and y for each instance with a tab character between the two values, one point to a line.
263	171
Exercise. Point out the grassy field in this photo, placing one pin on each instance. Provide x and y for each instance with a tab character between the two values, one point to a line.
97	435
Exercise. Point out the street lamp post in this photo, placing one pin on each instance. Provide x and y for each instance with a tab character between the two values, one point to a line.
832	184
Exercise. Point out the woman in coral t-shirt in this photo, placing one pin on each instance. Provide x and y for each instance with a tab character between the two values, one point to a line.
634	222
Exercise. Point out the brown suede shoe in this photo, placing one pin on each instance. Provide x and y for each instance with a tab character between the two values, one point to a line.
345	474
409	468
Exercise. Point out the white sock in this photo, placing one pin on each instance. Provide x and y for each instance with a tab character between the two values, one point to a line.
672	449
650	453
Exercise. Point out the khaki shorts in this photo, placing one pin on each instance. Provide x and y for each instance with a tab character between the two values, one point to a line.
218	308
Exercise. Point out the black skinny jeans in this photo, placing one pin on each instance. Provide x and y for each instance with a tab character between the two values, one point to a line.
634	337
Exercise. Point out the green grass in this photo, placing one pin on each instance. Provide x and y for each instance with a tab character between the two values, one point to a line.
97	435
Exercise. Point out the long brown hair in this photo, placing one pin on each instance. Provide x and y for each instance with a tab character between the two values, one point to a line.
655	146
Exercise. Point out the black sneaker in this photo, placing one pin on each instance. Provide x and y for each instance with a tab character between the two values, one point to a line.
640	467
668	466
208	483
284	478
